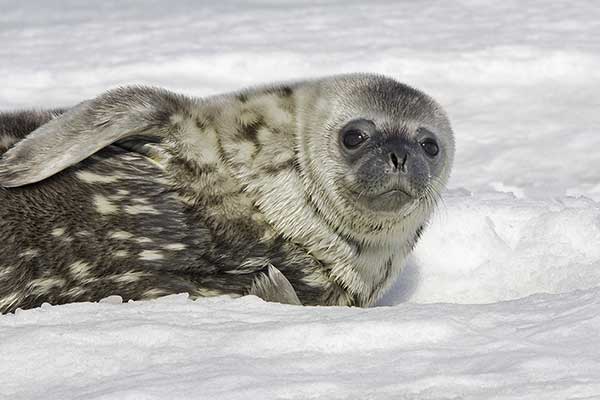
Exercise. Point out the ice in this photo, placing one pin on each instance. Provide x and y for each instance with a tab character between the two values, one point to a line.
500	298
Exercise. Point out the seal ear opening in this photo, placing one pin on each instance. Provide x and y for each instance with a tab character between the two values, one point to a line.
61	143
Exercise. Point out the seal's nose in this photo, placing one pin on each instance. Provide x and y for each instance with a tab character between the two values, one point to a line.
397	161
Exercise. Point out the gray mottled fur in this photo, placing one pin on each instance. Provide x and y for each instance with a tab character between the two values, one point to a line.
142	193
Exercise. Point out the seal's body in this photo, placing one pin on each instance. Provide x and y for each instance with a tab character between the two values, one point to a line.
308	193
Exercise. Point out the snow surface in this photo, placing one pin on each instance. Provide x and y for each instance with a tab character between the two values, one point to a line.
173	348
501	298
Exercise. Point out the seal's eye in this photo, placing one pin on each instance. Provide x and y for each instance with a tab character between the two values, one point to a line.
430	147
353	138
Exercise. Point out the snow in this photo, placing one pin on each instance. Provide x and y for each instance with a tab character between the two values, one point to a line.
173	348
492	247
499	300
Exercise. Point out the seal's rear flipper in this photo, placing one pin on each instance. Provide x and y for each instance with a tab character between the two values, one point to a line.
274	287
121	114
15	125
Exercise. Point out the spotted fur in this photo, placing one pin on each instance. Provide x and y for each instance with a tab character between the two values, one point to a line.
142	193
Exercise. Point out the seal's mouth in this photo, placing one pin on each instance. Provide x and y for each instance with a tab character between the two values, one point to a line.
396	192
389	200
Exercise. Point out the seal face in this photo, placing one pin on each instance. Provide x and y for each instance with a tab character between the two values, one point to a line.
311	192
389	169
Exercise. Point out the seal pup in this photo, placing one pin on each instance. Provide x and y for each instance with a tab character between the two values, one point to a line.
311	192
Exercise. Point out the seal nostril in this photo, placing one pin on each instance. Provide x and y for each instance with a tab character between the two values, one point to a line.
403	167
394	160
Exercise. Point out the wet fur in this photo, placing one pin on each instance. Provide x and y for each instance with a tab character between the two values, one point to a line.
226	199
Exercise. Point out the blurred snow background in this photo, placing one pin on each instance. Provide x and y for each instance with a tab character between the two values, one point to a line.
521	83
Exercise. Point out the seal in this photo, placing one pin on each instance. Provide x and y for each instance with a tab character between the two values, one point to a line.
311	192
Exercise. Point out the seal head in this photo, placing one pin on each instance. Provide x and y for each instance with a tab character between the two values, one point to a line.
381	154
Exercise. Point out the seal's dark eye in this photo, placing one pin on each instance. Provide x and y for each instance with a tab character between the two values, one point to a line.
430	147
353	138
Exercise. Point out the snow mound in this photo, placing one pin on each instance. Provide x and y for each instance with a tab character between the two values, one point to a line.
491	247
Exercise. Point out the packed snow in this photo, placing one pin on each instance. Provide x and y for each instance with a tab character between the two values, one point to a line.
500	299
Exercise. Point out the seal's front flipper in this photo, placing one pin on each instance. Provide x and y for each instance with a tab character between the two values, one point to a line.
273	286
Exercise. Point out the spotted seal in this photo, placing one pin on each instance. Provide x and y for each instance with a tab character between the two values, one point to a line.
311	192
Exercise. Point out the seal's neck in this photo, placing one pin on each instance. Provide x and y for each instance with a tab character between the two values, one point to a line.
363	268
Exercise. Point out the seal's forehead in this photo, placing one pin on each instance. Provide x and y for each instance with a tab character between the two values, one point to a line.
398	103
386	101
400	114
